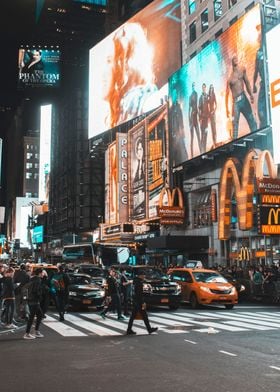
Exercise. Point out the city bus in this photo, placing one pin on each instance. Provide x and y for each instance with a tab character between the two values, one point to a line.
79	253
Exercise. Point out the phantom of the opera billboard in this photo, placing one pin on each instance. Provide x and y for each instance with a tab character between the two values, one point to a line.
38	67
219	95
129	69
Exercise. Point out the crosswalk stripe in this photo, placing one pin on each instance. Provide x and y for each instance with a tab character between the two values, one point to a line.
273	316
247	325
91	326
252	320
165	321
62	328
113	323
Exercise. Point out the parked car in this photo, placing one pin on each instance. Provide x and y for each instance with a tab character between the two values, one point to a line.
158	288
204	287
84	292
97	274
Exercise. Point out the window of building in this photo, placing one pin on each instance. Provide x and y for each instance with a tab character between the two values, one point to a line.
29	165
206	43
27	146
37	156
218	9
231	3
29	155
219	32
31	146
36	176
192	32
36	165
233	20
202	209
192	6
249	7
193	54
204	20
28	175
28	194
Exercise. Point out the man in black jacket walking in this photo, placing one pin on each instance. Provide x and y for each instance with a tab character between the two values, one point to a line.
34	298
139	307
114	294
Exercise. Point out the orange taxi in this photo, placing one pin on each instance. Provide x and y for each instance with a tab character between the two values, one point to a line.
201	286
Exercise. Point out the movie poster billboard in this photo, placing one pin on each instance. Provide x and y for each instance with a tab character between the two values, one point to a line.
137	172
129	69
157	157
219	95
113	181
272	44
122	154
38	67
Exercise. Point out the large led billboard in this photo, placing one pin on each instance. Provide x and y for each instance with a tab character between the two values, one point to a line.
272	44
219	95
38	67
129	69
93	2
45	152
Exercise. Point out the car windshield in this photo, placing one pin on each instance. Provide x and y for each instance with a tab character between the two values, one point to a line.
209	277
80	280
151	273
94	272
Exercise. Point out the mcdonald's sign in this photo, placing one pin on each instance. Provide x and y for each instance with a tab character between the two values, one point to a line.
244	254
169	213
240	179
268	220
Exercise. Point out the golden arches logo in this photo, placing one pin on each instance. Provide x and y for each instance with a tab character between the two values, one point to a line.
171	197
273	212
253	168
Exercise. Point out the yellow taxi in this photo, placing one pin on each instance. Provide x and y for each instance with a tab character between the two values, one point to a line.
49	268
201	286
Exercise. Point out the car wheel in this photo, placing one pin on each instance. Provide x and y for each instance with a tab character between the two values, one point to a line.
194	301
173	307
229	306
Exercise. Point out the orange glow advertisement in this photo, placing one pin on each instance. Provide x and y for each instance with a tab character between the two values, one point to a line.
113	181
122	153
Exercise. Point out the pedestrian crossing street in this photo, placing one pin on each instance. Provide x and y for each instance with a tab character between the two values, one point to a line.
89	324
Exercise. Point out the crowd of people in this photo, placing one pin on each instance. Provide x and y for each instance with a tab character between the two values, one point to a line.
26	295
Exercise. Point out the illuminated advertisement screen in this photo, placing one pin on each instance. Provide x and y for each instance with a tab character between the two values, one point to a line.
38	235
219	95
157	157
138	172
45	152
272	45
129	69
38	67
93	2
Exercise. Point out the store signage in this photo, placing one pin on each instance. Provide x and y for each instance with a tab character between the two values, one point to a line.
268	220
270	199
240	178
169	213
268	185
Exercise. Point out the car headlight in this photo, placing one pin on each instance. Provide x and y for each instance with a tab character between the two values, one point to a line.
205	289
73	293
147	287
178	289
100	293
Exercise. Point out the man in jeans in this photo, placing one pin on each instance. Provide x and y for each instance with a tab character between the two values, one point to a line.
34	298
114	294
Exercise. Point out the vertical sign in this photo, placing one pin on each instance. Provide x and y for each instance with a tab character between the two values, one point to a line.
113	180
122	153
45	152
272	42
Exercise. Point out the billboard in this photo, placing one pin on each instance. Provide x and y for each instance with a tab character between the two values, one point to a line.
45	152
113	183
38	67
38	234
137	171
272	44
157	157
93	2
129	69
219	95
122	154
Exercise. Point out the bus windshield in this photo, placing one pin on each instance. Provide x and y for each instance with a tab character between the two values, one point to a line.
83	253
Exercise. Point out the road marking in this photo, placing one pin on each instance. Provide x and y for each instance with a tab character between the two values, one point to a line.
91	326
61	328
190	341
227	353
275	367
247	325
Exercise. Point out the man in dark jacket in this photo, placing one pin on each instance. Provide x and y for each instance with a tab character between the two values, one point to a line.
114	294
60	290
8	297
34	298
21	277
139	307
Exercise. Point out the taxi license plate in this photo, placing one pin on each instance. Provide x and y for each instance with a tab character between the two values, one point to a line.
164	300
86	301
223	298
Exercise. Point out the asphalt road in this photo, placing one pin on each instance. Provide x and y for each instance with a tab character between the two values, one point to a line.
204	350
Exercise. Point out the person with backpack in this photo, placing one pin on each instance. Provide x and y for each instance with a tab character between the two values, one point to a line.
59	289
8	297
33	290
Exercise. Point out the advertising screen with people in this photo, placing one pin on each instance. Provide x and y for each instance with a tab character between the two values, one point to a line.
129	69
219	95
38	67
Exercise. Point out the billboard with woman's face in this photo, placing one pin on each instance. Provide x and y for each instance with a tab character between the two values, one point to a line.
130	68
219	95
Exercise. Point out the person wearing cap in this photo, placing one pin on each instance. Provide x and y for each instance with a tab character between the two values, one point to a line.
34	298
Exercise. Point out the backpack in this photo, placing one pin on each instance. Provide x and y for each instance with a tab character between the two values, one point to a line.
57	283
